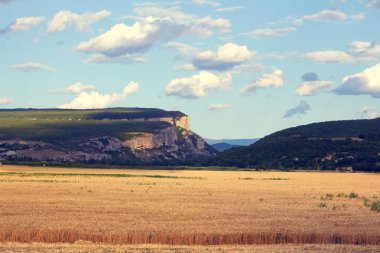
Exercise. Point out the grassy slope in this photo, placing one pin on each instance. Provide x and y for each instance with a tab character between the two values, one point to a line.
304	146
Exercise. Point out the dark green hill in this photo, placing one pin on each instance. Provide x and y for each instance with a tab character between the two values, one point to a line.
350	144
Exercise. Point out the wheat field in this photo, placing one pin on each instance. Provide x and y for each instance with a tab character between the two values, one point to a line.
58	205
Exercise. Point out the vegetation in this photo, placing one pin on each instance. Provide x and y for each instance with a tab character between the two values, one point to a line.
143	206
65	126
346	145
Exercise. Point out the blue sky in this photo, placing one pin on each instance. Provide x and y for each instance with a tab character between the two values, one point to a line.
239	69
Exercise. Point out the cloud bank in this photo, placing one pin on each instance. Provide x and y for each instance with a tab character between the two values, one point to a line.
93	100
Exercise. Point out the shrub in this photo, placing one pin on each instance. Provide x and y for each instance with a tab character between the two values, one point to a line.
375	206
353	195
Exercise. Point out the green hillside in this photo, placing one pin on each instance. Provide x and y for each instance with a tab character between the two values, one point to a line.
351	144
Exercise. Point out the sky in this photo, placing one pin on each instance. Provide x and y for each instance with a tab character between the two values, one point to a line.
239	69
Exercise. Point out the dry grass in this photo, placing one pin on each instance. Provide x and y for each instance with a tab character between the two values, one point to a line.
186	207
85	247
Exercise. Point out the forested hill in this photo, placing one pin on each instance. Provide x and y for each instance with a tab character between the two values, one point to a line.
346	145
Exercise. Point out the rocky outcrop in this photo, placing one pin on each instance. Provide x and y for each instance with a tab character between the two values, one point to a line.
169	146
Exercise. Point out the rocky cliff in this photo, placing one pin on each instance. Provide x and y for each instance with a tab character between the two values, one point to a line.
125	136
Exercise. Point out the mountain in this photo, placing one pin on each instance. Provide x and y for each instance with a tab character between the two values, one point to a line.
235	142
120	136
345	145
224	146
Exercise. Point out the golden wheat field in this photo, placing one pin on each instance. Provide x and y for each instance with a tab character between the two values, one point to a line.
50	206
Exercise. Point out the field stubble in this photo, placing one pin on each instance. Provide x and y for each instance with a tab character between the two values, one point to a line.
186	207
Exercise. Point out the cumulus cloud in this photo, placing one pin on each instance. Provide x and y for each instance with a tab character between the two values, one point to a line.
76	88
310	88
23	24
206	2
369	112
273	79
198	85
65	19
5	101
33	66
153	25
225	58
218	107
302	108
93	99
311	84
229	9
366	82
269	32
374	3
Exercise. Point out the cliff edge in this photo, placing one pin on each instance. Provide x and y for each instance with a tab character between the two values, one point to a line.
120	136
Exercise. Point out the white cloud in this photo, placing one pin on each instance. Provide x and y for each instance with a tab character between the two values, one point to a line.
330	57
220	24
327	15
366	82
76	88
153	25
33	66
64	19
92	100
310	88
25	23
374	3
5	101
302	108
206	2
229	9
273	79
198	85
369	112
269	32
218	107
225	58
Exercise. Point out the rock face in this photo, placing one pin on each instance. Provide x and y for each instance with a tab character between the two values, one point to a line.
175	144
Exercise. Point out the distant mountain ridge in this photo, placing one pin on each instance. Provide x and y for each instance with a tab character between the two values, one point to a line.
345	145
235	142
224	146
